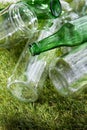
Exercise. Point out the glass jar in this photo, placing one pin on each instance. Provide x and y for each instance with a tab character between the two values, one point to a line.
18	22
29	75
68	73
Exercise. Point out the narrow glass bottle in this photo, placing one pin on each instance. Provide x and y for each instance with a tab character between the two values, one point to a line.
70	34
69	73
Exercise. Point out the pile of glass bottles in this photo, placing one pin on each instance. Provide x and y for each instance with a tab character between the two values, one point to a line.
64	24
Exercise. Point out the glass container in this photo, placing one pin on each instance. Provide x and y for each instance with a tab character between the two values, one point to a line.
29	75
18	23
68	73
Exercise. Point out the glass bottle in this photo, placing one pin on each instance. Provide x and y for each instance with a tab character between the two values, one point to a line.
18	22
70	34
68	73
29	75
45	9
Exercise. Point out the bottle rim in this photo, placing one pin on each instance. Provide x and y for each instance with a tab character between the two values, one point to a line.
14	86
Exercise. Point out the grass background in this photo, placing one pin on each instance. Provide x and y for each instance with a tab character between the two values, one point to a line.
50	112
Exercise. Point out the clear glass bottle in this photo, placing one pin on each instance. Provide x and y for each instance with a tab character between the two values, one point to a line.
68	73
18	22
29	75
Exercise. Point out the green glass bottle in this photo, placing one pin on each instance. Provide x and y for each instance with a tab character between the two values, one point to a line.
70	34
45	9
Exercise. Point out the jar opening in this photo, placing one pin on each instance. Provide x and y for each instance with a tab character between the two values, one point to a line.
23	91
23	17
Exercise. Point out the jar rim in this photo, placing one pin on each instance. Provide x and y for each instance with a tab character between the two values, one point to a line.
17	19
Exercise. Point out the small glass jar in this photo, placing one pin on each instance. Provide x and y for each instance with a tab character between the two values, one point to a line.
18	22
68	74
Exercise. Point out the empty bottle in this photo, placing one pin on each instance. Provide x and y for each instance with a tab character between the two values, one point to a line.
29	75
18	22
68	73
70	34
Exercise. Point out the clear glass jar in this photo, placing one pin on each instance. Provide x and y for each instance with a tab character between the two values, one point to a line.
29	75
68	74
18	22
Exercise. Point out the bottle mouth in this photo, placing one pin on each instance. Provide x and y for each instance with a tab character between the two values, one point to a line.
56	8
23	17
23	91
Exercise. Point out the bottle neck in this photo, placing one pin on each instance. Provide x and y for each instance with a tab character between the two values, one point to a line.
55	7
23	18
44	45
55	40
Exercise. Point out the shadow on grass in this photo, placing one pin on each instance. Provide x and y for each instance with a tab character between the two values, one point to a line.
67	118
21	123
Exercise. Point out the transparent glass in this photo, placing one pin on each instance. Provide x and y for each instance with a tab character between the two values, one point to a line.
73	9
79	6
68	73
18	22
27	79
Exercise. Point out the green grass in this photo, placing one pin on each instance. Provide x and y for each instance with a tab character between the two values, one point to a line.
50	112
